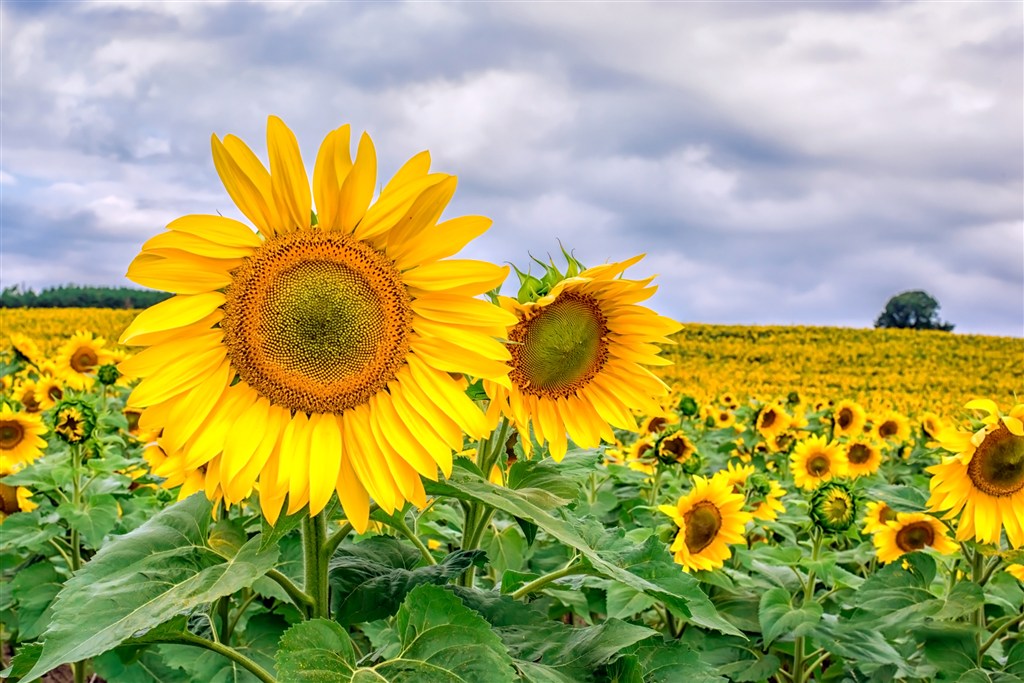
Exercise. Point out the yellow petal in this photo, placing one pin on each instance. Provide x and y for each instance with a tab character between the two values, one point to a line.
390	207
357	189
446	239
354	499
183	241
178	311
289	183
333	162
296	449
177	276
325	461
242	189
457	276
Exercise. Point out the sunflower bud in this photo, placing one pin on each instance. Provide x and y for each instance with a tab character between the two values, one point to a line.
108	374
688	406
833	507
74	420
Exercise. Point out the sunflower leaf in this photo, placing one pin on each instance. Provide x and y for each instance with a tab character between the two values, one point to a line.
440	640
142	579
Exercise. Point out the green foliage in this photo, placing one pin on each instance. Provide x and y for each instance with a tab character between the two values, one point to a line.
78	296
916	310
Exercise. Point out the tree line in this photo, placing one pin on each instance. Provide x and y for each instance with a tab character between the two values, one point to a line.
77	296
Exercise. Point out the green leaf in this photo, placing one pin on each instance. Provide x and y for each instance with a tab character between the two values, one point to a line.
506	550
952	648
135	665
440	641
751	670
861	646
671	662
778	616
965	598
142	579
562	479
26	532
34	589
96	518
648	569
370	579
623	602
573	651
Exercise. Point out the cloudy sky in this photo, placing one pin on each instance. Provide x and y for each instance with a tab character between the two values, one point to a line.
778	162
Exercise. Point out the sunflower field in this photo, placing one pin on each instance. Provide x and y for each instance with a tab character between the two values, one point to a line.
339	454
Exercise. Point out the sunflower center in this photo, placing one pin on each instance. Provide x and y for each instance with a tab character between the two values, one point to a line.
561	349
915	536
818	465
858	454
838	508
997	467
845	418
84	359
8	499
702	525
677	446
887	429
11	434
767	419
55	393
317	321
656	424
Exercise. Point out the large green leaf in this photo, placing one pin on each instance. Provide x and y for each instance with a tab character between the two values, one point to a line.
648	569
440	641
370	579
93	519
779	617
562	479
143	579
33	590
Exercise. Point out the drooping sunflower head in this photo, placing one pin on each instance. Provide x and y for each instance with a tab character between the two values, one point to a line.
654	424
932	424
863	457
108	374
710	518
910	532
79	357
815	461
688	406
876	515
833	507
74	420
984	480
892	427
771	421
325	351
848	418
578	354
675	448
21	439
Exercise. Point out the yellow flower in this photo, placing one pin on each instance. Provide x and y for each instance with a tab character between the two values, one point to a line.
657	422
816	460
737	475
49	391
724	418
984	481
772	421
911	531
769	508
892	427
710	518
863	458
931	424
877	515
578	357
21	439
25	393
1016	571
314	356
25	348
78	359
848	418
675	448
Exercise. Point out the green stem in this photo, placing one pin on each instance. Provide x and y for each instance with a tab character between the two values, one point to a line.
977	571
238	616
990	569
540	582
231	653
478	515
78	668
799	658
223	615
299	598
652	498
397	522
336	538
1000	632
314	545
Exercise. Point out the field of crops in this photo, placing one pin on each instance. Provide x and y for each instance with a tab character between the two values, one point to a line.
796	508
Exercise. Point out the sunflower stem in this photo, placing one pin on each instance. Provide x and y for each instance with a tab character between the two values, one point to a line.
540	582
977	572
314	545
478	515
397	522
78	668
302	601
231	653
800	668
999	633
652	498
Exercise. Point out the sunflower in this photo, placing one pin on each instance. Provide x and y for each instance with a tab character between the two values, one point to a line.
984	481
931	424
21	439
78	359
710	518
25	349
173	471
737	475
25	394
769	502
833	507
653	424
876	516
863	458
724	418
892	427
74	420
49	391
729	400
15	499
315	355
848	418
772	421
638	456
676	448
578	357
815	461
909	532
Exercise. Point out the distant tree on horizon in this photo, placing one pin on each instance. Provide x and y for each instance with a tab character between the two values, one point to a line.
915	310
78	296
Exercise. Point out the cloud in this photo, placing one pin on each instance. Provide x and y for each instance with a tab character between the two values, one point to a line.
776	165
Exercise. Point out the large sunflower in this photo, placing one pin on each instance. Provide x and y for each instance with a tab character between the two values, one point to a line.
863	458
848	418
578	357
21	439
710	518
911	531
984	481
815	461
315	354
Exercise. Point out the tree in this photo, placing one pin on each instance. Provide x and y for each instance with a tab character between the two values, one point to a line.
915	310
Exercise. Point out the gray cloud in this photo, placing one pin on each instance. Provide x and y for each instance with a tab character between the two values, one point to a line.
780	163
